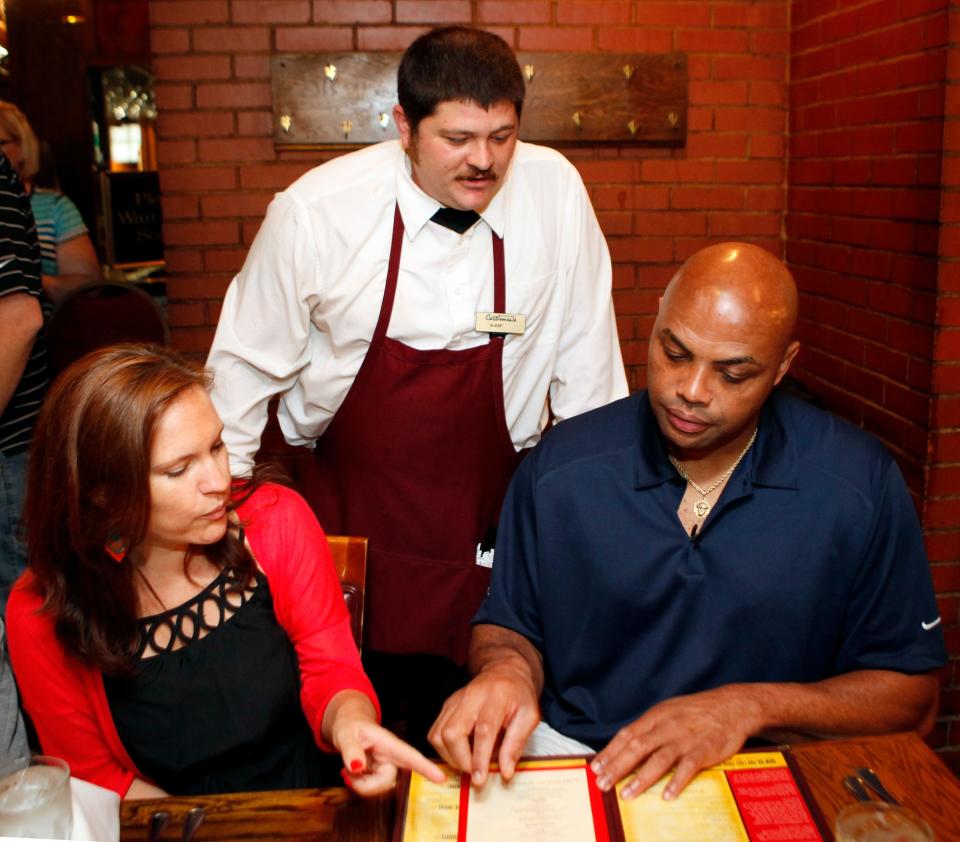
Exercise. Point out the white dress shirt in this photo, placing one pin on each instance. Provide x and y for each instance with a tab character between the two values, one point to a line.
298	318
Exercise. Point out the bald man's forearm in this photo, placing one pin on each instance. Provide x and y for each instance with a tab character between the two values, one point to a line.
496	646
689	733
860	702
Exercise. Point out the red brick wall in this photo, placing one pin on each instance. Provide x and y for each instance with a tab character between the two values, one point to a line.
872	237
866	105
941	510
219	169
866	149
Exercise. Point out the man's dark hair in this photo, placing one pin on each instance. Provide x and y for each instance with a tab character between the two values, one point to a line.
457	63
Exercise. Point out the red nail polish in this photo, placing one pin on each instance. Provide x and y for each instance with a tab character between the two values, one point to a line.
356	765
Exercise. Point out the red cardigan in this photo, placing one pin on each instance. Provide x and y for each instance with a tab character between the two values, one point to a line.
67	701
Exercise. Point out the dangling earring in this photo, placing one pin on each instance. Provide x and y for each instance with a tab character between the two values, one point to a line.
116	547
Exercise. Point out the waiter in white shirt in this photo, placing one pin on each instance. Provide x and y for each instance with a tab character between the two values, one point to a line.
421	307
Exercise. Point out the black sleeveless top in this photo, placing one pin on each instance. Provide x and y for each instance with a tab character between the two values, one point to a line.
214	704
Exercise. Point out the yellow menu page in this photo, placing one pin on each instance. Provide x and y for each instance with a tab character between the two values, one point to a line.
433	810
706	811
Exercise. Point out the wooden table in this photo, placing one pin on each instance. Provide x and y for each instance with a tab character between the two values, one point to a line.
911	771
915	776
293	815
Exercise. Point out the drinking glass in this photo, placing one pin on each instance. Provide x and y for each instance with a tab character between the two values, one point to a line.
877	821
35	800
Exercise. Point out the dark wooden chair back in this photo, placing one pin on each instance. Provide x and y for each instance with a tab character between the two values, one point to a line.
350	560
102	314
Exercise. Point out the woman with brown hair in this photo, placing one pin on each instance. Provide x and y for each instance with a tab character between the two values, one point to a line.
171	616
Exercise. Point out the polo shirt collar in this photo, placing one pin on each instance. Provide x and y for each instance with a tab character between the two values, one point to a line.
416	207
653	466
774	458
772	461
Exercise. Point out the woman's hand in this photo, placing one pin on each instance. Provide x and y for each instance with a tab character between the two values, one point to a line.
371	754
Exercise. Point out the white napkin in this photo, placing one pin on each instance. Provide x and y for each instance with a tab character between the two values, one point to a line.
96	814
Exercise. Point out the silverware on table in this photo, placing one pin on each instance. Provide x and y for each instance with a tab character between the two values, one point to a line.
191	822
158	824
855	785
872	780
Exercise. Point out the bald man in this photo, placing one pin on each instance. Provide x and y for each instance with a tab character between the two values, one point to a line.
701	563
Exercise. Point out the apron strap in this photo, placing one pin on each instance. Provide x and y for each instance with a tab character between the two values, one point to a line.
393	272
499	275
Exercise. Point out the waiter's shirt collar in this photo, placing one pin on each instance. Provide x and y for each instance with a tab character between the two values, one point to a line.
416	207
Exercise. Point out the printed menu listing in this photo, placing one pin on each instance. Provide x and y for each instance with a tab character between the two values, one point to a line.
548	800
754	796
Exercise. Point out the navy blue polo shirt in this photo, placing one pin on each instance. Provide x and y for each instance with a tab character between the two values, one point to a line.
810	565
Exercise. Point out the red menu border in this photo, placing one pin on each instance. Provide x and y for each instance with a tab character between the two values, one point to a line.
604	805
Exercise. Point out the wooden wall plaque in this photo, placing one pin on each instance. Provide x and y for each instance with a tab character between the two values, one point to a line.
337	100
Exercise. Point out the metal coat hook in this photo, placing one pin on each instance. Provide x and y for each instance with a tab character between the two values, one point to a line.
673	119
577	118
529	71
384	120
632	127
347	127
628	71
330	71
285	122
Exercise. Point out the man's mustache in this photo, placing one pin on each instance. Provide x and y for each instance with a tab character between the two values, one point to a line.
475	173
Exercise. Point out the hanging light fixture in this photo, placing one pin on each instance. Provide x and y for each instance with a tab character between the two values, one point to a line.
72	19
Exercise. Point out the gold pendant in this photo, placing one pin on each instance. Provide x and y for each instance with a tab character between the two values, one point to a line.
702	508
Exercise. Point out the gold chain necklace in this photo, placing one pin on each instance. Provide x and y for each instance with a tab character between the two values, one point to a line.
702	507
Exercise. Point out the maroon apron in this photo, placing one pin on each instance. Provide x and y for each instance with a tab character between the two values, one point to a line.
418	458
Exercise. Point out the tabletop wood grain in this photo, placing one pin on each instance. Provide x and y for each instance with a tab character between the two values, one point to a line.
915	776
303	815
910	770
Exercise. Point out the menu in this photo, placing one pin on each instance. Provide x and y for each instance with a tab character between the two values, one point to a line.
754	796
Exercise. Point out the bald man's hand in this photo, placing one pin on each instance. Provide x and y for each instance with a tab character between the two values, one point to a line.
686	732
501	700
690	733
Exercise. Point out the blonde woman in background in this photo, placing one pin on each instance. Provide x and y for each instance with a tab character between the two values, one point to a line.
69	258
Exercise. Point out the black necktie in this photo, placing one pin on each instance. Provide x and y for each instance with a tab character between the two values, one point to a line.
455	220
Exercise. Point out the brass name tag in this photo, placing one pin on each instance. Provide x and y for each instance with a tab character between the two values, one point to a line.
501	323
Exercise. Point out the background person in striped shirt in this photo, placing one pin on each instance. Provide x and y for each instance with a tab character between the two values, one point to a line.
23	362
